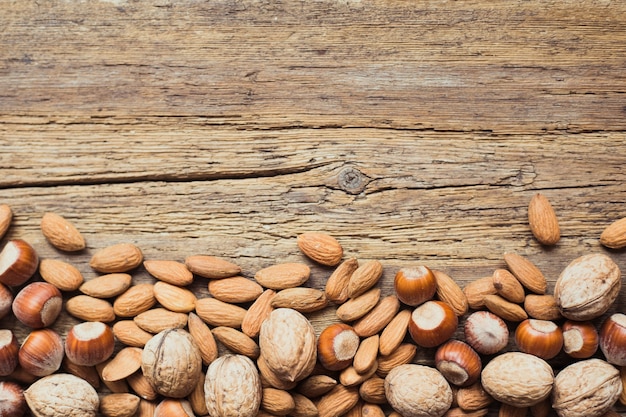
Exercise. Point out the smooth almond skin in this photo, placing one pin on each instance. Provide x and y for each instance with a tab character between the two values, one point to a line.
284	275
6	215
543	221
62	275
106	286
123	364
172	272
321	248
61	233
614	236
211	267
121	257
526	272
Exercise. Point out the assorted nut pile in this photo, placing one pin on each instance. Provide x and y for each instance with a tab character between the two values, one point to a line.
249	349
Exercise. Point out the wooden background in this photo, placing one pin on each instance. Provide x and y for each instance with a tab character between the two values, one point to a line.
415	132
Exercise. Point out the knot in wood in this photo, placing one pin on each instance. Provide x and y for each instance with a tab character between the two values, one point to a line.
351	180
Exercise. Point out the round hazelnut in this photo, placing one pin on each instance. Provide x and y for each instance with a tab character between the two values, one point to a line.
580	339
336	346
613	339
416	285
486	332
62	395
41	352
18	262
12	402
232	387
418	391
432	323
539	337
6	300
38	304
89	343
458	363
9	349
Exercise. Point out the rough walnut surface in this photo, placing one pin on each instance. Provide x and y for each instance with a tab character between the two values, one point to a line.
588	287
232	387
518	379
418	391
62	395
586	389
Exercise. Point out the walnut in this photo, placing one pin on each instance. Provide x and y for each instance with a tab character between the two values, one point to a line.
62	395
418	391
518	379
171	362
586	389
232	387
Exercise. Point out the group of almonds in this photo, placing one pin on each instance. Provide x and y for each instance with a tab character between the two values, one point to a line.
156	349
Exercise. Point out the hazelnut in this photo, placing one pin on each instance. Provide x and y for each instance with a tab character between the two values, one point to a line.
89	343
38	305
41	352
432	323
414	286
232	387
8	352
541	338
6	300
580	339
613	339
458	363
18	262
486	332
336	346
62	395
12	402
418	391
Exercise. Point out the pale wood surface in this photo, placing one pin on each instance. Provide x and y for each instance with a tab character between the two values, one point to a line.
414	132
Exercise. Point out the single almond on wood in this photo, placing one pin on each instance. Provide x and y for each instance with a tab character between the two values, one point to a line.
526	272
302	299
127	332
614	235
172	272
376	320
395	332
89	308
505	309
357	307
366	354
320	247
364	278
6	215
158	319
508	286
235	289
218	313
337	284
338	401
106	286
121	257
257	313
476	291
236	341
119	405
135	300
61	233
62	275
542	219
125	363
284	275
211	267
203	337
174	298
542	307
450	293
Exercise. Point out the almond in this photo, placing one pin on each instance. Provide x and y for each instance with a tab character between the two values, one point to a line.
281	276
61	233
507	410
337	283
89	308
203	337
158	319
135	300
117	386
211	267
235	289
364	278
304	407
6	215
121	257
349	377
127	332
366	354
302	299
505	309
196	399
277	401
172	272
142	387
236	341
613	236
88	373
358	307
459	412
316	385
218	313
402	355
257	313
373	390
473	398
508	286
542	219
542	307
125	363
395	332
106	286
338	401
269	378
62	275
320	247
544	409
450	293
119	405
526	272
174	298
476	291
376	320
146	408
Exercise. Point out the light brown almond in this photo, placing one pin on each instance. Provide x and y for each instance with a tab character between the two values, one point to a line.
218	313
543	221
526	272
402	355
505	309
277	401
376	320
257	313
473	398
117	386
366	354
338	401
349	377
158	319
127	332
542	307
211	267
121	257
146	408
364	278
613	236
281	276
61	233
316	385
459	412
119	405
141	386
62	275
543	409
337	284
235	290
172	272
174	298
507	410
356	411
357	307
476	291
6	215
135	300
304	407
373	390
197	400
320	247
88	373
106	286
270	379
203	337
508	286
302	299
236	341
124	363
394	333
372	410
450	293
89	308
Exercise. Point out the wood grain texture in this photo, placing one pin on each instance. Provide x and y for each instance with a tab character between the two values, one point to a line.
413	132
